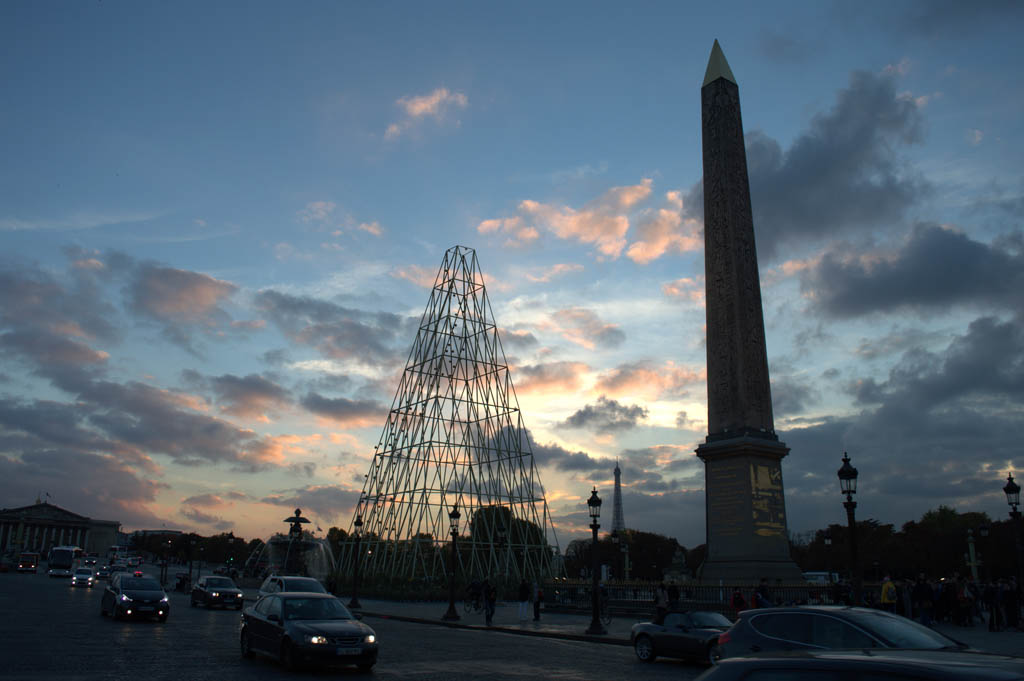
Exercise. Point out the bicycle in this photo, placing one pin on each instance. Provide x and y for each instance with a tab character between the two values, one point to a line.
473	605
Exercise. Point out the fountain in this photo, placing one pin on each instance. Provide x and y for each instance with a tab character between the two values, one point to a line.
295	553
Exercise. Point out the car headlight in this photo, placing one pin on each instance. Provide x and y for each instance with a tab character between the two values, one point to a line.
214	594
165	600
125	599
319	640
370	638
238	595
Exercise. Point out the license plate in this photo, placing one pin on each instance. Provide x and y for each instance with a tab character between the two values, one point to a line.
145	608
349	651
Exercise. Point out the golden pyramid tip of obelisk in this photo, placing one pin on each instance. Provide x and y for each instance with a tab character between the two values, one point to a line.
718	67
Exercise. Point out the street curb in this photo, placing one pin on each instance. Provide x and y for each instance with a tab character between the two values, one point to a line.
505	630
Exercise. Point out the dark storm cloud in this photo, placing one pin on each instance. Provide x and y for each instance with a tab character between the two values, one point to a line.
952	18
337	332
93	485
562	459
607	416
216	522
244	396
842	173
345	410
936	268
516	340
791	396
323	500
941	429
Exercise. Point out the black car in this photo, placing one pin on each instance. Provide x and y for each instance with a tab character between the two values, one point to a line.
135	597
692	635
211	591
307	629
278	583
103	572
827	627
869	665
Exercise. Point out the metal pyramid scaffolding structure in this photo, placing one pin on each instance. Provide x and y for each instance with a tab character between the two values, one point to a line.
455	436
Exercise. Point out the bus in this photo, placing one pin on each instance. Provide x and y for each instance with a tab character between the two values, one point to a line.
63	560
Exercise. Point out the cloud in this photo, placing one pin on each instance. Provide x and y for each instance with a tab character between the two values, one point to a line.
688	288
317	211
346	412
649	380
607	416
514	339
373	228
251	396
204	500
791	396
198	516
664	231
584	328
974	137
843	173
421	276
327	501
518	233
550	377
439	105
336	332
547	274
936	268
556	456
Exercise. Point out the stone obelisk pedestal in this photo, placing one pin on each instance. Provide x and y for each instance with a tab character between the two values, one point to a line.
747	537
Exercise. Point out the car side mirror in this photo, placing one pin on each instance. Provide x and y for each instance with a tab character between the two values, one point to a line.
274	618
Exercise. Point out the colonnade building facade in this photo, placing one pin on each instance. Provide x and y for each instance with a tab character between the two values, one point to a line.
41	526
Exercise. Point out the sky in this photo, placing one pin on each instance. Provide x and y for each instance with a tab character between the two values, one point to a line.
219	223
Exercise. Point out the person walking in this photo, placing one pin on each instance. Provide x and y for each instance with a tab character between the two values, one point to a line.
490	601
923	598
538	596
888	597
524	599
660	603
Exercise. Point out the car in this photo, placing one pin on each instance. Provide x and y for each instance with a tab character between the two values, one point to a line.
137	597
90	561
83	576
827	627
692	635
868	665
301	629
28	561
117	567
103	572
211	591
277	583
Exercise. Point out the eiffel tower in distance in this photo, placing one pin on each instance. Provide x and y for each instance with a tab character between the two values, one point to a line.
455	436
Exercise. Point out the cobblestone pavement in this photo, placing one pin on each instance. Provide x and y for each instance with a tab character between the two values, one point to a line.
51	631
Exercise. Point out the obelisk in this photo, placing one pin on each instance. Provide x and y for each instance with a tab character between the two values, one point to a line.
742	455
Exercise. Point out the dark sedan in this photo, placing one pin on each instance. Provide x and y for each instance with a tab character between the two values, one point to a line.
869	665
211	591
692	635
307	629
136	597
827	627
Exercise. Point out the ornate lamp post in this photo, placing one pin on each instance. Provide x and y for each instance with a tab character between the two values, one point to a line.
848	484
594	506
828	554
1012	490
358	525
453	518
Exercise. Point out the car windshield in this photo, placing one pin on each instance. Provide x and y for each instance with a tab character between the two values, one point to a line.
710	619
901	632
87	572
304	585
140	584
220	583
315	609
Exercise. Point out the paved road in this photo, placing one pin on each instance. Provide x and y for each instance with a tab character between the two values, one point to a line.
50	631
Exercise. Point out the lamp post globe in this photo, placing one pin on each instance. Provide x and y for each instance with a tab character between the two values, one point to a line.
453	521
594	508
848	485
357	530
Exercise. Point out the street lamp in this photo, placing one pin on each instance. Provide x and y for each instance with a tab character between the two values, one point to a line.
594	507
1012	490
848	484
358	525
453	518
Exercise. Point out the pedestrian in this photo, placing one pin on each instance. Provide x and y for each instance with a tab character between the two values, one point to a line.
490	600
923	598
538	596
738	602
660	603
673	596
1011	604
760	598
524	599
888	596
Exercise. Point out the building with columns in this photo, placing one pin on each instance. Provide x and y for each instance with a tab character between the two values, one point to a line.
41	526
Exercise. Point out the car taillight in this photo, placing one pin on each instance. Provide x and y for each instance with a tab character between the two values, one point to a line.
724	637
